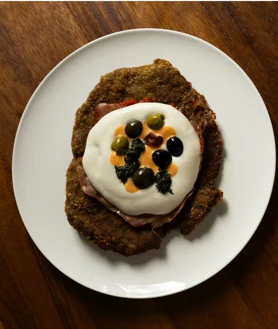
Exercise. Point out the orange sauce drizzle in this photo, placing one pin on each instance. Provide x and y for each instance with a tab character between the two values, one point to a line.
145	158
120	131
130	186
172	169
117	160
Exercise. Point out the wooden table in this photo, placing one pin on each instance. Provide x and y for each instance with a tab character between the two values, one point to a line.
34	37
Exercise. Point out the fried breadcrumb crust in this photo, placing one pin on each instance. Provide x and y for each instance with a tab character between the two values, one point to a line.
164	84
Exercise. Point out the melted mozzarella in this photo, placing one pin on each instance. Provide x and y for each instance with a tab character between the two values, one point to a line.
101	172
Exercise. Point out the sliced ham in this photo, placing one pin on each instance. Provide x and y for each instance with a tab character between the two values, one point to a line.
102	109
136	221
203	114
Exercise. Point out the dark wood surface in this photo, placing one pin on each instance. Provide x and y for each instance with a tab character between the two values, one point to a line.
34	37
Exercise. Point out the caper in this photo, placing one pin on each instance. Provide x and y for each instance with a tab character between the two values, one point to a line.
119	144
143	178
156	121
133	128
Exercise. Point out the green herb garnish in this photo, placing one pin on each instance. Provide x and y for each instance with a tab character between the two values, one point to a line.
126	171
163	181
136	147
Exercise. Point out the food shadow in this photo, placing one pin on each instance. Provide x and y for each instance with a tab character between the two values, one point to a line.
135	260
217	212
208	223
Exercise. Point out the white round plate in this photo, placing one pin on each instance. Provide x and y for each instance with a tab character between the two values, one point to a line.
42	154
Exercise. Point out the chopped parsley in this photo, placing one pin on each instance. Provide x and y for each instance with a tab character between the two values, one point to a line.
163	181
136	147
126	171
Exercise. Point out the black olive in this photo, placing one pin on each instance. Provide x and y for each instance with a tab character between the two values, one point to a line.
143	178
175	146
133	128
162	158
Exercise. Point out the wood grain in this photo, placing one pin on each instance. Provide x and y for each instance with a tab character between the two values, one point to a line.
34	37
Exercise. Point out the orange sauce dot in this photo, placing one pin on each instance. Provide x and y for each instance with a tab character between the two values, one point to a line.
120	131
117	160
130	186
166	132
145	131
172	169
145	159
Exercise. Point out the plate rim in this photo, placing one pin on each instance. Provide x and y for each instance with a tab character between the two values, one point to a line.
111	35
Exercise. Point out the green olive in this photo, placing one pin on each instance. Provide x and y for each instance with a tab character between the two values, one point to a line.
156	121
120	143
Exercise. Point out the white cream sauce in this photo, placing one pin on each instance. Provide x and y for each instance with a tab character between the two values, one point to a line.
101	173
